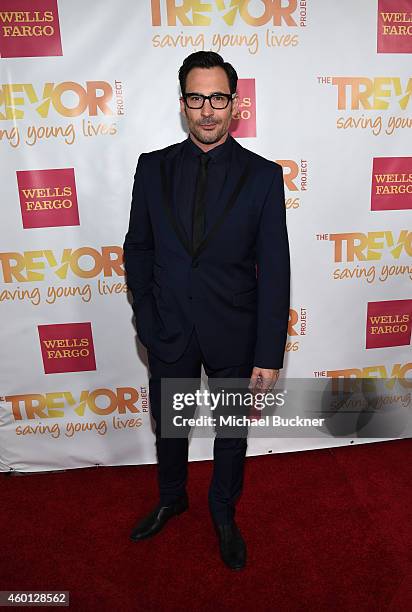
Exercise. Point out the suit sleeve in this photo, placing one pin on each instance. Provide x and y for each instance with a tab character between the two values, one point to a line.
273	278
138	247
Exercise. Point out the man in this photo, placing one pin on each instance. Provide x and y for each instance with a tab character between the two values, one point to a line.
207	261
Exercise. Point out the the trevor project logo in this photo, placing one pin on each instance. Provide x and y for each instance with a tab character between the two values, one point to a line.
67	347
391	183
48	197
245	126
394	26
25	32
388	323
198	13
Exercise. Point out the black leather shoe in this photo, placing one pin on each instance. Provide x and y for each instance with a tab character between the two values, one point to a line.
155	521
232	545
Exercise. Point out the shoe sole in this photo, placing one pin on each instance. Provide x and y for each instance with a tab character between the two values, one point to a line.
236	569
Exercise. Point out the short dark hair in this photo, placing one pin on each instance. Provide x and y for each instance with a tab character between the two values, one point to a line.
206	59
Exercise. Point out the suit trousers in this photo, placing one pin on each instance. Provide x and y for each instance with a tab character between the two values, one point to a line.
172	453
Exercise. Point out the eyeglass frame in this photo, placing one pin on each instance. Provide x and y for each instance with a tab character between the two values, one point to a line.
230	97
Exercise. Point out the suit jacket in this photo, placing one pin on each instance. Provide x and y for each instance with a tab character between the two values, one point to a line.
234	288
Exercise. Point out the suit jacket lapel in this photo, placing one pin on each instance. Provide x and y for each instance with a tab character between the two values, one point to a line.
237	176
168	167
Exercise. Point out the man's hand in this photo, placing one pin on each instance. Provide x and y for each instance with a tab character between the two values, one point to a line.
263	379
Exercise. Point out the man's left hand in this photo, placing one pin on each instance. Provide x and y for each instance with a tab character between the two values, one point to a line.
263	379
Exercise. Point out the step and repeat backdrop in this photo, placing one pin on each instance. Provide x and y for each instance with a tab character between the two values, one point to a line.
325	89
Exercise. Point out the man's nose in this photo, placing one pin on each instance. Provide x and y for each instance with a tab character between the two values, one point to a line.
207	109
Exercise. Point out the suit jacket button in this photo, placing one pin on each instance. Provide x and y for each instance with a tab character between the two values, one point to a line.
195	264
190	297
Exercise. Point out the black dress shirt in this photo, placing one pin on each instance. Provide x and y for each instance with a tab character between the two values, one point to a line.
185	183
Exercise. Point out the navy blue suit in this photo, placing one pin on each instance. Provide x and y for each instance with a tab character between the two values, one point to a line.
236	308
225	305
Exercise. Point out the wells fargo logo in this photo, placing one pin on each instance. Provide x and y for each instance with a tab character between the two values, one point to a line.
48	197
391	183
28	33
388	323
68	99
67	347
245	126
60	404
198	13
394	26
84	262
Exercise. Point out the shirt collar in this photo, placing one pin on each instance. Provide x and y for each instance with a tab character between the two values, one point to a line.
220	152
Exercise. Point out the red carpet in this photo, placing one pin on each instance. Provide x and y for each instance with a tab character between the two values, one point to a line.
329	529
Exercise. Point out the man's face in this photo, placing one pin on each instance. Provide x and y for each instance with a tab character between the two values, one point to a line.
208	125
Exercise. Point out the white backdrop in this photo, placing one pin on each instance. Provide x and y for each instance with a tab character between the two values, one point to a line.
325	90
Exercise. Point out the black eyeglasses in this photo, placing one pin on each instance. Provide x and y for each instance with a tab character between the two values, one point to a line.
217	100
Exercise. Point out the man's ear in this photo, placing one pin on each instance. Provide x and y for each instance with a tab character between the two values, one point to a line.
235	107
182	106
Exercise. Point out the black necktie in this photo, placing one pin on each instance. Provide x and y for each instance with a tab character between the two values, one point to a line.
200	202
